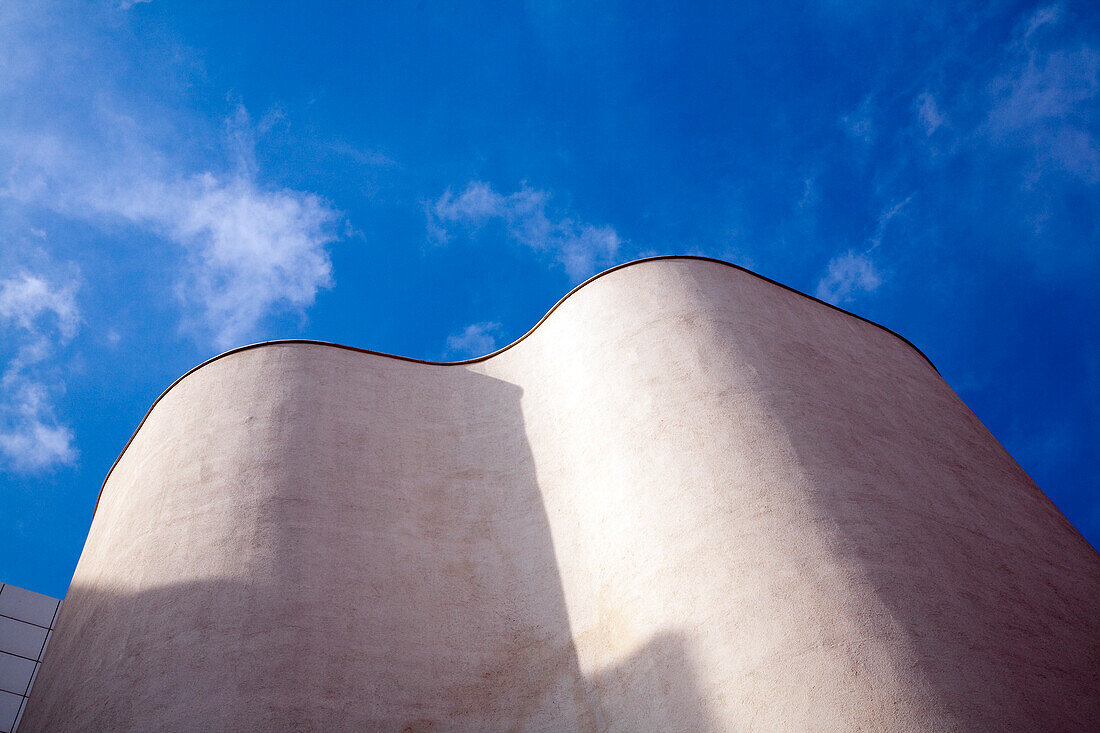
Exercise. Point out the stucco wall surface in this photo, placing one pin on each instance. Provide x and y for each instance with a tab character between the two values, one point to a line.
690	499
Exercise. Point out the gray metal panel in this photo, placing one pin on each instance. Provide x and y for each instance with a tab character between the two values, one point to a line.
23	639
9	709
15	673
26	605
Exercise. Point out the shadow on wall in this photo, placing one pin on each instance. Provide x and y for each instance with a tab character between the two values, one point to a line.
654	689
176	671
398	570
918	497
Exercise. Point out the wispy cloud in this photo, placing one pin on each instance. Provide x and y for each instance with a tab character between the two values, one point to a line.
884	218
25	299
250	251
477	339
247	248
582	249
1045	102
852	272
846	275
929	114
860	122
1045	16
36	316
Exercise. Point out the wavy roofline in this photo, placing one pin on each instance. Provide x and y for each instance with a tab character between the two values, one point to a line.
490	355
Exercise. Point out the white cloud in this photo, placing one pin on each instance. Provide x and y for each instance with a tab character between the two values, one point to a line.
36	316
480	202
928	113
75	140
853	272
860	122
477	339
255	251
582	249
810	197
31	440
884	219
847	275
249	250
1045	103
1051	15
25	298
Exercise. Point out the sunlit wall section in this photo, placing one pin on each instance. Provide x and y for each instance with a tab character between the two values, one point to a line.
769	513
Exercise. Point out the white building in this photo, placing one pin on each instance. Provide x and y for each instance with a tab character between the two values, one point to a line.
689	499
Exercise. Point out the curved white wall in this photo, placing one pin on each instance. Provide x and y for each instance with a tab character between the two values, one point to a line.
690	499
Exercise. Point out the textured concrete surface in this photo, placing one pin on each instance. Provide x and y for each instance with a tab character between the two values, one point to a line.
690	499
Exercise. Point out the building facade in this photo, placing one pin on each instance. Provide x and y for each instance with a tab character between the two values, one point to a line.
689	499
26	624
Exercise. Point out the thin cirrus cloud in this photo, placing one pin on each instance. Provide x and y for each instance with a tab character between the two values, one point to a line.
1037	105
581	248
852	272
929	114
1029	118
477	339
1045	102
860	123
846	275
37	316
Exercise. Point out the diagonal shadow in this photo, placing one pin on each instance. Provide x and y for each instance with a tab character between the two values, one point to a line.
367	550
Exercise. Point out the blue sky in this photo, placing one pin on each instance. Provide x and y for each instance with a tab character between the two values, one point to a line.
427	179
